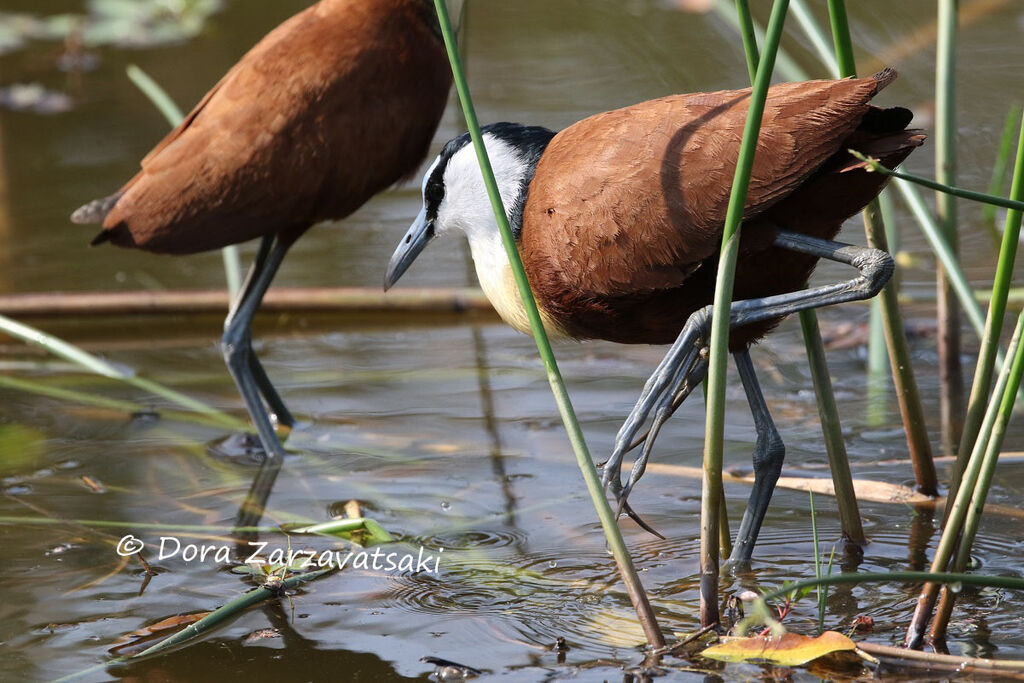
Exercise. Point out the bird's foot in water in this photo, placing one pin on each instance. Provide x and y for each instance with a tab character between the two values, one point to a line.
241	447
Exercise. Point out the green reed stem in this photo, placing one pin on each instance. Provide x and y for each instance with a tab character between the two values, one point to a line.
749	35
841	39
957	514
878	354
907	394
784	62
86	360
821	46
827	409
965	293
839	463
998	180
942	188
615	541
994	320
719	342
994	440
163	102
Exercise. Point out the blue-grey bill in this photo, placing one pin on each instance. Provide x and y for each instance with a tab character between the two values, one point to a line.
418	236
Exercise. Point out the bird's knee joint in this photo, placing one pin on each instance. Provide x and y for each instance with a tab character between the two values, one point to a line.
235	349
876	266
769	455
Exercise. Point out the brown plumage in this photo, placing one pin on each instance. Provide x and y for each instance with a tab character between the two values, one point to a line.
333	106
622	225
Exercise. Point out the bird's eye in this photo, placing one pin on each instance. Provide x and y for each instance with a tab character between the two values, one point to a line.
434	194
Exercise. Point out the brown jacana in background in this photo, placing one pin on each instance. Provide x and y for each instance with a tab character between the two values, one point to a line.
619	220
334	105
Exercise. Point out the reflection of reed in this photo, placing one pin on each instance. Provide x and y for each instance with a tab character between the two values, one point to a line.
5	222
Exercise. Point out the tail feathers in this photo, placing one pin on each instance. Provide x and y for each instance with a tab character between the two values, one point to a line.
95	211
890	149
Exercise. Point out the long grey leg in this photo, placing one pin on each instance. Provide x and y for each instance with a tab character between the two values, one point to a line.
263	383
768	456
237	346
677	370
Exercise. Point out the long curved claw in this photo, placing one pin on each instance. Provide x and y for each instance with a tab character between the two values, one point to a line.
683	386
673	367
640	522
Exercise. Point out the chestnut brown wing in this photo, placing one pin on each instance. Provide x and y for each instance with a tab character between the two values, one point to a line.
632	200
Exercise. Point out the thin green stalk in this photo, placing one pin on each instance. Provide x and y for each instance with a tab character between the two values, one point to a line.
908	396
839	464
958	511
163	102
951	380
86	360
747	32
719	342
841	38
821	595
944	254
981	488
827	409
994	321
907	393
940	187
784	62
127	407
809	26
878	355
615	541
996	184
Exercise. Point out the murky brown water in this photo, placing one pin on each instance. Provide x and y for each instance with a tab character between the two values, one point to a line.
447	434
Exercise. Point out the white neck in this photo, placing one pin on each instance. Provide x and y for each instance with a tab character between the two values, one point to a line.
467	208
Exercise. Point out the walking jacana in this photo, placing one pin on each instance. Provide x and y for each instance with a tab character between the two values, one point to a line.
334	105
619	219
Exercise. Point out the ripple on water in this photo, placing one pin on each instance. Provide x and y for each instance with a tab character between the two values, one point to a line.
476	538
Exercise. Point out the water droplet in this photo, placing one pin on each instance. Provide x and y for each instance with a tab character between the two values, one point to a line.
445	505
552	564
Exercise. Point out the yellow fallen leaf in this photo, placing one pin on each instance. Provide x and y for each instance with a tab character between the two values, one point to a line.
792	649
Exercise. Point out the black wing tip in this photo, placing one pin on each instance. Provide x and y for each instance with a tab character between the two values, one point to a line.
99	239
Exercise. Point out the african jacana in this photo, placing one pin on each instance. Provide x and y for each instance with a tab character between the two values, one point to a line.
334	105
619	218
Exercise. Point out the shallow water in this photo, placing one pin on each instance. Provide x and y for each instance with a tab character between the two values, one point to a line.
446	433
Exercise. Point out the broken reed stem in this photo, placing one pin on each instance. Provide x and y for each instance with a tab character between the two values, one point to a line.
957	513
907	394
719	341
163	102
839	464
993	321
614	537
951	380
